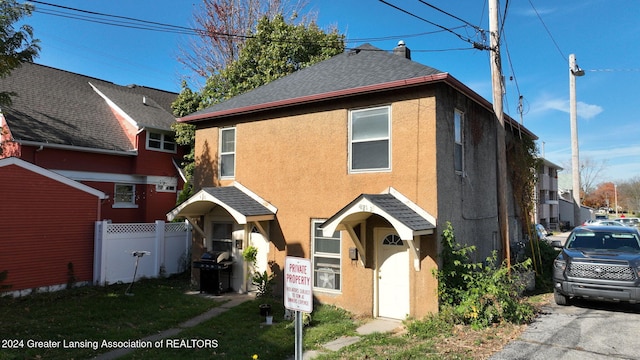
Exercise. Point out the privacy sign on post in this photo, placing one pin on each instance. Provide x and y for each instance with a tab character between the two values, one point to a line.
298	284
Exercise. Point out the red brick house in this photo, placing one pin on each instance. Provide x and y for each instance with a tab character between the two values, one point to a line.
116	139
42	245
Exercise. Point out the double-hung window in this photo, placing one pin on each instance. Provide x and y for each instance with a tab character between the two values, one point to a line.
228	152
370	139
161	142
458	147
326	259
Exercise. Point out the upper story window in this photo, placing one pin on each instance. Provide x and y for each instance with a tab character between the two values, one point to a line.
124	196
228	152
161	141
370	139
458	151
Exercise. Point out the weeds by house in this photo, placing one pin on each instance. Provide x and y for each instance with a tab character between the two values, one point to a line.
480	294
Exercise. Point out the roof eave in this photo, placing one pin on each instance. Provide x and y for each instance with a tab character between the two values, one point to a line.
316	97
421	80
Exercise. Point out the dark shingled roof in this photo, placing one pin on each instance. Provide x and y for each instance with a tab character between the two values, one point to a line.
238	200
360	67
399	211
59	107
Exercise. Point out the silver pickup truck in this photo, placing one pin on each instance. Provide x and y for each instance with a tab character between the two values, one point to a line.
599	263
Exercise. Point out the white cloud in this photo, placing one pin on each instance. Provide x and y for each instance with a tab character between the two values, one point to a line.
588	111
585	111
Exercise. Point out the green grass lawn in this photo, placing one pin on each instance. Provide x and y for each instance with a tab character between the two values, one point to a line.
241	333
96	314
86	315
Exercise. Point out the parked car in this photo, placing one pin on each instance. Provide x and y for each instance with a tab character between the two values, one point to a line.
629	221
598	262
602	223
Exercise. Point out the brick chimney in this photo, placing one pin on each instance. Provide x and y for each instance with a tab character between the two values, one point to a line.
402	50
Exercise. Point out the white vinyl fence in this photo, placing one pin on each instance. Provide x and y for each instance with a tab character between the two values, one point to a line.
165	248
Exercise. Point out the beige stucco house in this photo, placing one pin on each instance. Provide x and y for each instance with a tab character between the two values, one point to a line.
356	163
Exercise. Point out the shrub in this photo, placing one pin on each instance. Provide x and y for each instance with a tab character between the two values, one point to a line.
480	293
264	283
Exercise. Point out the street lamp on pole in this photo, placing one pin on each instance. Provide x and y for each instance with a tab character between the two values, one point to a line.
574	70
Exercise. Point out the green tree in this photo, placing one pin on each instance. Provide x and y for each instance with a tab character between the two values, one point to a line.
17	45
276	49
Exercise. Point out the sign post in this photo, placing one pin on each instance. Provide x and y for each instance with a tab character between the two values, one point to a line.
298	293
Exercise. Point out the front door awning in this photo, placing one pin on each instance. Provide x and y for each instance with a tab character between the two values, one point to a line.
408	219
241	203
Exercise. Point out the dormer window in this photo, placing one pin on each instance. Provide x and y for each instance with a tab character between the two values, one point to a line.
161	142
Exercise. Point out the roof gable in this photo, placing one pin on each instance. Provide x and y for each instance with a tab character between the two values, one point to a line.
241	203
57	107
51	175
404	215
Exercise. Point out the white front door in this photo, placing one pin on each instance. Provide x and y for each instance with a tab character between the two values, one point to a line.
393	274
262	259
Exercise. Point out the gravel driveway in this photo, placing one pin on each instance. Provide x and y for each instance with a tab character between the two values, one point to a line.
583	331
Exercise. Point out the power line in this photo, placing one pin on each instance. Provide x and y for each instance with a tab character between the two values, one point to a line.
548	32
395	37
451	15
125	21
614	70
463	38
140	24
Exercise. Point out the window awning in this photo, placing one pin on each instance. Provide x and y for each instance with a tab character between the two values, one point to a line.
408	219
241	203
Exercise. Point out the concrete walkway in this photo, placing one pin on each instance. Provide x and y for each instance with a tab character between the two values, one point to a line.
233	299
373	326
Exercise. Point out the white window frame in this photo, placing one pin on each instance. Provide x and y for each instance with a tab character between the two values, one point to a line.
227	153
165	140
458	141
315	223
124	204
373	139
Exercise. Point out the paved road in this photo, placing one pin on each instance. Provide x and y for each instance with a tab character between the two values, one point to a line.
584	331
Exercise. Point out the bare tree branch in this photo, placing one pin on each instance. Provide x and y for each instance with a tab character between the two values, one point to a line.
223	26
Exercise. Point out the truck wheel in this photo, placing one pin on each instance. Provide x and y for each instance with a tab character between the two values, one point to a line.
560	299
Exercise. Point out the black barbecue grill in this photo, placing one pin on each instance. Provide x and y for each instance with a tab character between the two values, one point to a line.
212	266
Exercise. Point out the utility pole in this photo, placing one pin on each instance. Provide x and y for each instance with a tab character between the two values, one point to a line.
501	147
574	70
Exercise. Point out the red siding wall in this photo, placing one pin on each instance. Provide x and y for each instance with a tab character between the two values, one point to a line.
152	205
44	226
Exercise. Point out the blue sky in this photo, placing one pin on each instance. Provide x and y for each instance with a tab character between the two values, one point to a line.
539	36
